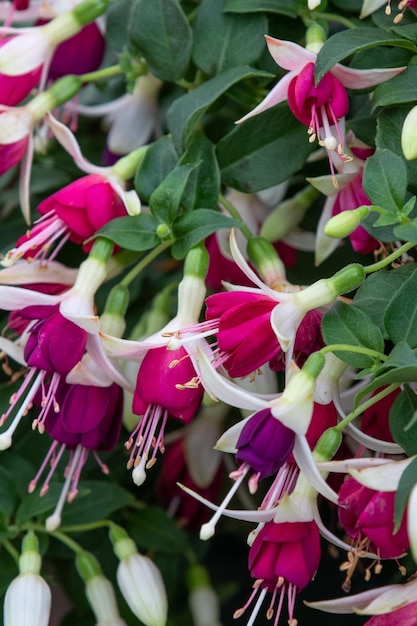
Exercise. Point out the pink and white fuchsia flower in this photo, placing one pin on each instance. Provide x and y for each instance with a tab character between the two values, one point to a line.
319	107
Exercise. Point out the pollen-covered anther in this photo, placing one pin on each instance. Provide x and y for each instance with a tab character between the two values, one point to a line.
192	384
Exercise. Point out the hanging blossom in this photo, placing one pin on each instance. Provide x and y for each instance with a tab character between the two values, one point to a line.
131	120
319	107
369	6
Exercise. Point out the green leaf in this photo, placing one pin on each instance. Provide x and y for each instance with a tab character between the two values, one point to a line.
160	159
346	324
407	232
34	505
8	493
95	501
203	186
399	90
400	317
193	227
378	289
257	154
407	481
152	529
186	112
160	31
221	40
283	7
165	200
132	232
402	420
118	16
385	180
347	42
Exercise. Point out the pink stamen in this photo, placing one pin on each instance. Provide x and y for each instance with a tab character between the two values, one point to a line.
54	465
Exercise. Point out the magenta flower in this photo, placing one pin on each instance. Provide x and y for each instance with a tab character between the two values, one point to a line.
14	89
176	394
75	212
319	107
15	135
283	559
366	514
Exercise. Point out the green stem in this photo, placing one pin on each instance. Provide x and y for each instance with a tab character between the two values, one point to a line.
360	409
374	267
230	208
70	543
144	262
12	551
339	19
357	349
99	74
80	528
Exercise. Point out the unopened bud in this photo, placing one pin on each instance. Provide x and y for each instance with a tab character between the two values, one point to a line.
112	321
266	260
282	220
345	223
409	135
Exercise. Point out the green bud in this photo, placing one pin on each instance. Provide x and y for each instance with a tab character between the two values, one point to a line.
126	167
89	10
112	321
87	566
123	545
409	135
344	223
102	249
266	260
283	218
196	262
348	278
314	364
315	35
164	232
30	559
327	445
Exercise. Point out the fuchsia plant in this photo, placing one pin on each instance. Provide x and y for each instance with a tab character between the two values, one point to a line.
227	310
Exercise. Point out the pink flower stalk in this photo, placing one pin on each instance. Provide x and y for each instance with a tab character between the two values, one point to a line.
319	107
14	89
368	517
177	394
75	213
283	559
83	418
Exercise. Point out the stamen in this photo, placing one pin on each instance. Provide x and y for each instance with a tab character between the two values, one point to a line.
54	521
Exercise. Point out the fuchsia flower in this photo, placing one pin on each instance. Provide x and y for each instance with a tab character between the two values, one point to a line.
283	559
321	106
83	418
366	514
14	89
177	394
75	212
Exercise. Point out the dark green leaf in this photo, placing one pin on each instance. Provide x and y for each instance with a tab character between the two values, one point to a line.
159	160
402	420
346	324
284	7
165	200
385	180
347	42
186	112
160	31
407	481
398	90
95	501
152	529
203	185
378	289
407	232
132	232
8	493
257	154
221	40
400	317
117	23
33	505
193	227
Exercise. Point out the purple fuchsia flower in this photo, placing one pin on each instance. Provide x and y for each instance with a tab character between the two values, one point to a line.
177	394
81	419
319	107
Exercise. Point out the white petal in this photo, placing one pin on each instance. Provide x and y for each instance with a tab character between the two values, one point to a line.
369	6
372	443
229	439
382	477
24	53
305	461
360	79
411	521
289	55
349	604
15	298
23	273
342	467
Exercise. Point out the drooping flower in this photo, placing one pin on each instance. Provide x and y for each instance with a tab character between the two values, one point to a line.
14	89
320	106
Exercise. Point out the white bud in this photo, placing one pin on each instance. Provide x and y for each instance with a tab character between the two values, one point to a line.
27	601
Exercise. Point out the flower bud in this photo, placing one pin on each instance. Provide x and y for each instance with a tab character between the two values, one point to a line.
203	601
99	591
139	580
192	288
287	215
112	321
409	135
345	223
266	260
28	598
